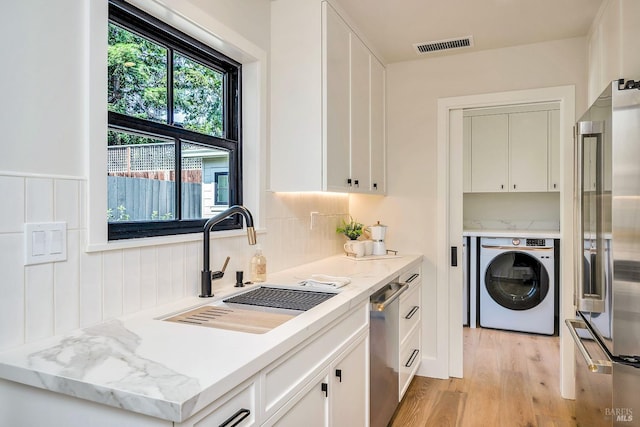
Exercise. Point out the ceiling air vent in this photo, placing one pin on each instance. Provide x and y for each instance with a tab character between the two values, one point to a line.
440	45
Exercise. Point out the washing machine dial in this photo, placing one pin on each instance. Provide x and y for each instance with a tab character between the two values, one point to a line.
516	242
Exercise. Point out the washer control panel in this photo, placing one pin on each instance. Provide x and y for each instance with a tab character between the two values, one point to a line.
535	242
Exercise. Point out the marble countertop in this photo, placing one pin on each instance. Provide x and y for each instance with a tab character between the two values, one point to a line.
171	371
523	234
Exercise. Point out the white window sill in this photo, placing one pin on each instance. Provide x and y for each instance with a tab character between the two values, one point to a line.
165	240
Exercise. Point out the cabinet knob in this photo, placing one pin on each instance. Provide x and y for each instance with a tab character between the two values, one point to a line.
555	185
349	182
514	186
325	389
339	374
356	183
375	185
502	186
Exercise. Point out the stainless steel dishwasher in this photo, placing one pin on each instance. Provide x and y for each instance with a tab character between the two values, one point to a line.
384	353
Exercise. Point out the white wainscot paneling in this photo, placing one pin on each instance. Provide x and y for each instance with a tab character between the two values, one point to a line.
112	284
39	200
67	202
12	213
163	267
131	282
12	291
39	301
66	291
90	288
148	277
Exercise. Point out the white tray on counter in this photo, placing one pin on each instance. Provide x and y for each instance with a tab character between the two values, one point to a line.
371	257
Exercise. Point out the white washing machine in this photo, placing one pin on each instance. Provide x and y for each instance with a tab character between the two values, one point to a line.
517	286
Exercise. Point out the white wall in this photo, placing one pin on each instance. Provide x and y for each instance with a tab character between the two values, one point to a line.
48	114
413	89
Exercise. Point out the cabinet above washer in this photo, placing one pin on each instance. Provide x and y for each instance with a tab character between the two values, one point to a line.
327	103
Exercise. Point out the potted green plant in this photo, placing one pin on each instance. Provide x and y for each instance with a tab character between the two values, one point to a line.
351	229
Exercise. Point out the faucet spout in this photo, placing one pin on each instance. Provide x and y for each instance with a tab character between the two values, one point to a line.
206	276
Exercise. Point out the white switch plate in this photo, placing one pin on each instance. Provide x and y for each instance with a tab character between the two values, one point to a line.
45	242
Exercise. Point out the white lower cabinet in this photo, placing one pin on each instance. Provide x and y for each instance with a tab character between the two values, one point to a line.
410	330
325	382
237	408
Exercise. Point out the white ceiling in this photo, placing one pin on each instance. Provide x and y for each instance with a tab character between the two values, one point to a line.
393	26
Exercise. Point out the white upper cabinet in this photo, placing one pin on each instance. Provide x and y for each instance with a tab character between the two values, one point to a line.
327	103
489	153
528	137
554	150
512	149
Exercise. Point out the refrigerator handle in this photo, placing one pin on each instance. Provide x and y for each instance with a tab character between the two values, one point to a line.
595	366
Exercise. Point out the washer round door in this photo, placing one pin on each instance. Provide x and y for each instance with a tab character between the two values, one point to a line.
516	280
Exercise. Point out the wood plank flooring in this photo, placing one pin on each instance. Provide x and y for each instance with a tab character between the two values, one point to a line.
510	380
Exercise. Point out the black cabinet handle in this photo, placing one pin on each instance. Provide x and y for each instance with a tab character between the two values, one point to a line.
555	185
325	389
339	374
349	182
454	256
502	186
356	183
514	186
412	312
242	413
413	277
414	354
375	185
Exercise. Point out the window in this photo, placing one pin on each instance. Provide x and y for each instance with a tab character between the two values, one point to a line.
174	149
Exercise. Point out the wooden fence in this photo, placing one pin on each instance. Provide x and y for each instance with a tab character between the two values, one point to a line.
136	199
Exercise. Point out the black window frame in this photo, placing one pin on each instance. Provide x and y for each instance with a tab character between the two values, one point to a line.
143	24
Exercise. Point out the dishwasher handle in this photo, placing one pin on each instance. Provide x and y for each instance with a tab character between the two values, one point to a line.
385	296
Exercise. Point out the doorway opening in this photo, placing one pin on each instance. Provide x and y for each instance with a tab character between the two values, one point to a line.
450	211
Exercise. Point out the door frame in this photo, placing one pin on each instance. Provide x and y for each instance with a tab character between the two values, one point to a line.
449	218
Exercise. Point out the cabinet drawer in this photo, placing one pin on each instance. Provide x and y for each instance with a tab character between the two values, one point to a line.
410	311
410	356
239	410
286	376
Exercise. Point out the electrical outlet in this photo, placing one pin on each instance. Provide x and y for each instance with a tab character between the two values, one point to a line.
45	242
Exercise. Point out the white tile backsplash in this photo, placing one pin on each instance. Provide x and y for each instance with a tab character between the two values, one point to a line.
90	287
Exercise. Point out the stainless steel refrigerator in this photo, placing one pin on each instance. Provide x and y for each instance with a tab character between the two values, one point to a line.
607	296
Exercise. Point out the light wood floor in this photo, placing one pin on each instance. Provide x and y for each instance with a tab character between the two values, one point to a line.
510	380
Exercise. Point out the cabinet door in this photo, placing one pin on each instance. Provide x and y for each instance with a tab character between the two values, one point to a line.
336	102
489	153
528	151
378	129
348	392
360	125
310	408
466	154
554	150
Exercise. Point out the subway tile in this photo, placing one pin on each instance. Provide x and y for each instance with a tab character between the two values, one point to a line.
112	272
39	311
66	292
67	202
12	327
90	288
39	200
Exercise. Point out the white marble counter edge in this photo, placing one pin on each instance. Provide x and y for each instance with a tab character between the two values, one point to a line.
16	366
548	234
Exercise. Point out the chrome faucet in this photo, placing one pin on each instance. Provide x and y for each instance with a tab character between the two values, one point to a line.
207	276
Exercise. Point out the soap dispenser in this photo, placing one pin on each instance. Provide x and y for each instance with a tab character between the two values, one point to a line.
258	266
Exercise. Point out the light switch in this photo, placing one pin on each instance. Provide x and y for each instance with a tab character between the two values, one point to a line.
38	239
45	242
